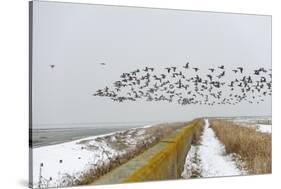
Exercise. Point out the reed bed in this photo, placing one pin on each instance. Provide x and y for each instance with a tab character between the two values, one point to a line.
254	148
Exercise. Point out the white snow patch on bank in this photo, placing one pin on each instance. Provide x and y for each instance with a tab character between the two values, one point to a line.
264	128
61	163
192	163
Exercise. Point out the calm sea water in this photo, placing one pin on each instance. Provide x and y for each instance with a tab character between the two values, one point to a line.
50	136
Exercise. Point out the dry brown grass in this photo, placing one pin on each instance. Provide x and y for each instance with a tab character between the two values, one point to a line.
253	147
91	175
196	138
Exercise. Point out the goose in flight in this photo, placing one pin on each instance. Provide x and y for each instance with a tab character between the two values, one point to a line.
186	65
241	69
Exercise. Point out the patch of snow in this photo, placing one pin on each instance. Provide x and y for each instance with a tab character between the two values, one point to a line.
264	128
147	126
56	161
71	159
192	163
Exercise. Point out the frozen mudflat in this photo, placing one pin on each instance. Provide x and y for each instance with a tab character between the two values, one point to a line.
209	159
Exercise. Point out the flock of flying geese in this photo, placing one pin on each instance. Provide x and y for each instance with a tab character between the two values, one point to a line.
185	85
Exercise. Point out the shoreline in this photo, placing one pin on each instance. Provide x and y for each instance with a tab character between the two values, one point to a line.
67	162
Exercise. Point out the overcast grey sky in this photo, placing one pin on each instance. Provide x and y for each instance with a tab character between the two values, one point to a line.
77	37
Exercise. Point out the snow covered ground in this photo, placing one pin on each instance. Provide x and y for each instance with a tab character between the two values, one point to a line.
263	128
209	159
59	165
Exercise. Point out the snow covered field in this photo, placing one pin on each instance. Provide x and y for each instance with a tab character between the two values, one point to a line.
59	165
209	159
